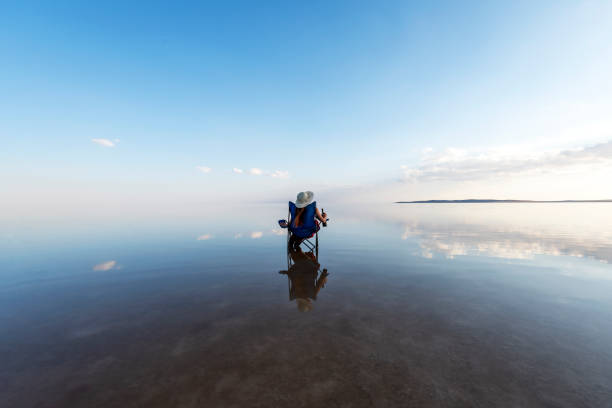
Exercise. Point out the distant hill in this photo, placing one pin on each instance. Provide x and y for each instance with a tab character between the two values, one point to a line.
472	200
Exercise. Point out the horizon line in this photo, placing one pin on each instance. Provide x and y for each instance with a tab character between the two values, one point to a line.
488	200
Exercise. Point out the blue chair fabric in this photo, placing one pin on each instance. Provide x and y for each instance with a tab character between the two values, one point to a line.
309	224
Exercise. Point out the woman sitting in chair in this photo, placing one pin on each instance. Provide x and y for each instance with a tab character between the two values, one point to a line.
304	201
304	217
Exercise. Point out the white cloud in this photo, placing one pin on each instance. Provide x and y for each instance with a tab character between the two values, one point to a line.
461	164
105	266
256	171
238	235
204	237
204	169
280	174
105	142
256	234
278	231
427	150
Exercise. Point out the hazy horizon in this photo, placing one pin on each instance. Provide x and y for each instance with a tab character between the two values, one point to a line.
509	199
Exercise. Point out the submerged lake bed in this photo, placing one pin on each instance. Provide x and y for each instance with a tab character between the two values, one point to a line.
421	305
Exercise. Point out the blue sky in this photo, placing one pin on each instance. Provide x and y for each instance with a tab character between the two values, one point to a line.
399	100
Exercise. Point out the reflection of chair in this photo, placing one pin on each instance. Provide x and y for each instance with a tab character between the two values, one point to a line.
305	277
304	233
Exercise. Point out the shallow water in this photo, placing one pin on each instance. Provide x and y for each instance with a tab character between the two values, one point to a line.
439	305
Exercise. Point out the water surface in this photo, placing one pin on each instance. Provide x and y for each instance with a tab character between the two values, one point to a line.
424	305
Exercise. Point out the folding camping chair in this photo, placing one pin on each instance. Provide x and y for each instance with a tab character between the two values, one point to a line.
305	232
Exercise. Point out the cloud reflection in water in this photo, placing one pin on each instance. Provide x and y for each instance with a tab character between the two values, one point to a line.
515	231
105	266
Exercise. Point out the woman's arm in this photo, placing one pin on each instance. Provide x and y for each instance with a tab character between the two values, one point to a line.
320	217
320	284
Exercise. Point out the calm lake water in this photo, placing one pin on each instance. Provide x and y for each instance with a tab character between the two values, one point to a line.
450	305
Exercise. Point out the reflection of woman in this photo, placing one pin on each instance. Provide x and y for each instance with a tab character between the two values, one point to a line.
306	282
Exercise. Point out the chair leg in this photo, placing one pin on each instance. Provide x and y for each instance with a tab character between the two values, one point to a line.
288	232
308	244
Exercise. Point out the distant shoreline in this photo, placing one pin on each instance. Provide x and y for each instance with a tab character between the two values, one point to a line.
477	201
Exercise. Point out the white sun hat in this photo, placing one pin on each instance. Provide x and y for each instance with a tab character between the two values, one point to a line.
304	198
